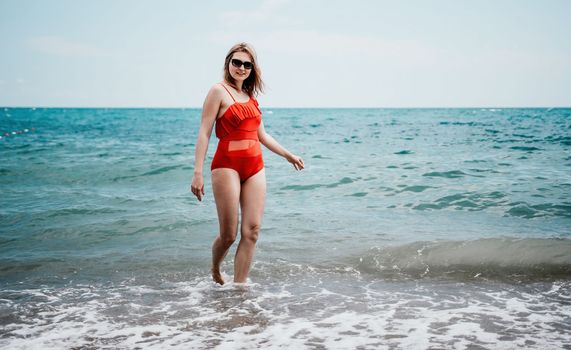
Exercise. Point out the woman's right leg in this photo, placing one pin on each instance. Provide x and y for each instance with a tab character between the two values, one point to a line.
226	188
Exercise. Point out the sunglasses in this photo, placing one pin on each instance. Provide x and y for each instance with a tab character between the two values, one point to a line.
237	63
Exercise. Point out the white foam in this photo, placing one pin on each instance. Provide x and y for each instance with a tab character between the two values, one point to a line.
200	314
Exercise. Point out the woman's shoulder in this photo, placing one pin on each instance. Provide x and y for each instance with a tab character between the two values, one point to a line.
216	91
217	87
253	98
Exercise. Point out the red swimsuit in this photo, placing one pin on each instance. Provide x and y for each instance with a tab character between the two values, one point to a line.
239	146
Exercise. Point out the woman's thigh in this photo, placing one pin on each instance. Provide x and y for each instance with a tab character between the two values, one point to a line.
252	200
226	189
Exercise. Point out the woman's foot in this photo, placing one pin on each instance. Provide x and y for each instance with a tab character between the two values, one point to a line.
217	276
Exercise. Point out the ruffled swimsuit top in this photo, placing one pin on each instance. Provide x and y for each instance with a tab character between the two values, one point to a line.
240	121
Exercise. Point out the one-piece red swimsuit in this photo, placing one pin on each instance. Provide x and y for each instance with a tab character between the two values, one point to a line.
238	145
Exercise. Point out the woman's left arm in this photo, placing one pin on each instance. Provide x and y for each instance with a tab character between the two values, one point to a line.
274	146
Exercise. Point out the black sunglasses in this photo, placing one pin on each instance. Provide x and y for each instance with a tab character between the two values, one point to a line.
237	63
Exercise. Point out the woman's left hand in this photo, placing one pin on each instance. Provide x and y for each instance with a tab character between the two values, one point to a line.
296	161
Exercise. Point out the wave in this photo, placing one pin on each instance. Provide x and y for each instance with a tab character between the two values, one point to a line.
447	174
343	181
476	201
496	258
525	148
161	170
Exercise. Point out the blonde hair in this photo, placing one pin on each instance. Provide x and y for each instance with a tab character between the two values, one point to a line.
253	85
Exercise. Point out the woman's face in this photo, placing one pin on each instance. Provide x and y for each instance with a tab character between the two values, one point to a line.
240	73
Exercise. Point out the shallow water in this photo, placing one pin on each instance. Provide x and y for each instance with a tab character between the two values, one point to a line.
409	229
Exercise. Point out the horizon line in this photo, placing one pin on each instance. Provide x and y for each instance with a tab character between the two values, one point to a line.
272	107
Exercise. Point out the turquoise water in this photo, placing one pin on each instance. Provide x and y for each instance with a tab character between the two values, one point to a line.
409	228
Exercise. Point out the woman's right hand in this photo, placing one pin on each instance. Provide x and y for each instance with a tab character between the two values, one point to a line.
197	186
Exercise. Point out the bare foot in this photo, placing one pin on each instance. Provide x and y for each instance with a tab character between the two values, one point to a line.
217	276
241	285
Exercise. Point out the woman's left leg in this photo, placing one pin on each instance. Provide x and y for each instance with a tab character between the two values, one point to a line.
252	198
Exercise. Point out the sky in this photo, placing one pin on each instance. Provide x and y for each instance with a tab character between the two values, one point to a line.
313	53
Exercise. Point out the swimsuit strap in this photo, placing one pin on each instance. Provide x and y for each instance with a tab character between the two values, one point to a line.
228	92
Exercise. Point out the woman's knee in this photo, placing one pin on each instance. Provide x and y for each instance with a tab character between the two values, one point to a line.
227	240
251	232
228	235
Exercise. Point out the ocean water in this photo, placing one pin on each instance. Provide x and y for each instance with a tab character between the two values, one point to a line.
409	229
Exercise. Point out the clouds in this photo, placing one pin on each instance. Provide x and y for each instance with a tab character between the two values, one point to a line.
267	12
365	47
60	46
316	53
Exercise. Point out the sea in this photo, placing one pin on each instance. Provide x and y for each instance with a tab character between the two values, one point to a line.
408	229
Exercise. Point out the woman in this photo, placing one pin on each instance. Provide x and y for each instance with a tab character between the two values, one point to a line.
238	175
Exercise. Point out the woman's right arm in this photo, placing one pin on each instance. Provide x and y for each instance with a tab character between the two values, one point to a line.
209	112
